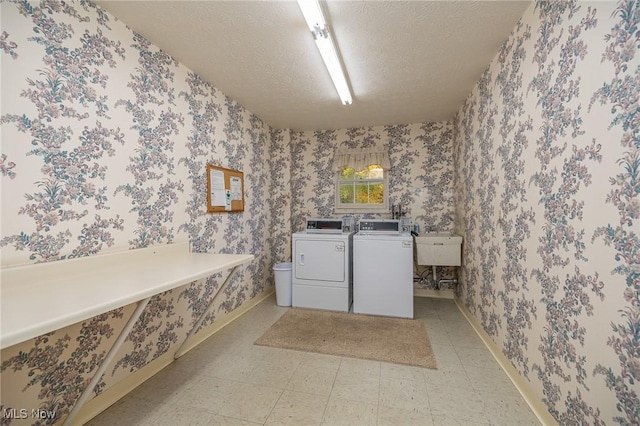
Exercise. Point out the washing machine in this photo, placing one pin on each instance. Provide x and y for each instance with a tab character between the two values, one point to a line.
322	277
383	269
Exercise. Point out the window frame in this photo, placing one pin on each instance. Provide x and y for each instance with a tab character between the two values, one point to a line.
383	207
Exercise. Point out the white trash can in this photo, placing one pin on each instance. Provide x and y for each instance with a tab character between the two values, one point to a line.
282	271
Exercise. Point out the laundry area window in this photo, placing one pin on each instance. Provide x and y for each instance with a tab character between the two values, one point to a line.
361	185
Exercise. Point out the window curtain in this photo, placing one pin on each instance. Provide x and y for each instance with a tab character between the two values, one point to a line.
360	159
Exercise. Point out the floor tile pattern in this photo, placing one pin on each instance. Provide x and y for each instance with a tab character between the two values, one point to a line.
228	380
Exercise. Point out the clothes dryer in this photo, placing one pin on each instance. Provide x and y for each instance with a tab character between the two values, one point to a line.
322	274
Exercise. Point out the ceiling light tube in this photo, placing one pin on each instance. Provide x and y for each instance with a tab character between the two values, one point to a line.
318	26
312	14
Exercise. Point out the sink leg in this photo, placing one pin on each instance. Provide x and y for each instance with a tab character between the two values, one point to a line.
435	277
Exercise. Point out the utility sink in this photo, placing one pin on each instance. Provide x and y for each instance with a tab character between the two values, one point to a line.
439	249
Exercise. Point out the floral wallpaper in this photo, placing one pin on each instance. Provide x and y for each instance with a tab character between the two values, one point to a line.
547	196
105	142
280	195
420	179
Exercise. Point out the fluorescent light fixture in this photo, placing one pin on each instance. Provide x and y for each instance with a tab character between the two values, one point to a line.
320	30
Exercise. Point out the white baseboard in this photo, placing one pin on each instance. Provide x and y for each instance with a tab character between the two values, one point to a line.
538	408
114	393
446	293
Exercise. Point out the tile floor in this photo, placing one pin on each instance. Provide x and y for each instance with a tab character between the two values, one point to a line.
228	380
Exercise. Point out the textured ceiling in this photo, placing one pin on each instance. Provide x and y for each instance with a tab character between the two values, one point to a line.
407	62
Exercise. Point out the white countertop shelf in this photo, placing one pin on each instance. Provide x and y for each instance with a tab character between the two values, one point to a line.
40	298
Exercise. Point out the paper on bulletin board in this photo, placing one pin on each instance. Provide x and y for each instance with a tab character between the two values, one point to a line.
218	196
236	188
227	200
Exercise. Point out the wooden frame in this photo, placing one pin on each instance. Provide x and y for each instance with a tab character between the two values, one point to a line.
225	190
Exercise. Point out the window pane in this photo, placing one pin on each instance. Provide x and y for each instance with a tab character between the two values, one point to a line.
376	193
362	174
346	193
362	193
347	173
376	172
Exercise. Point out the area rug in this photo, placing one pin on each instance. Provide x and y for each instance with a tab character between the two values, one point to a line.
395	340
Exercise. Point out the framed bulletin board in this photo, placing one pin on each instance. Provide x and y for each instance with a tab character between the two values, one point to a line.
225	190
